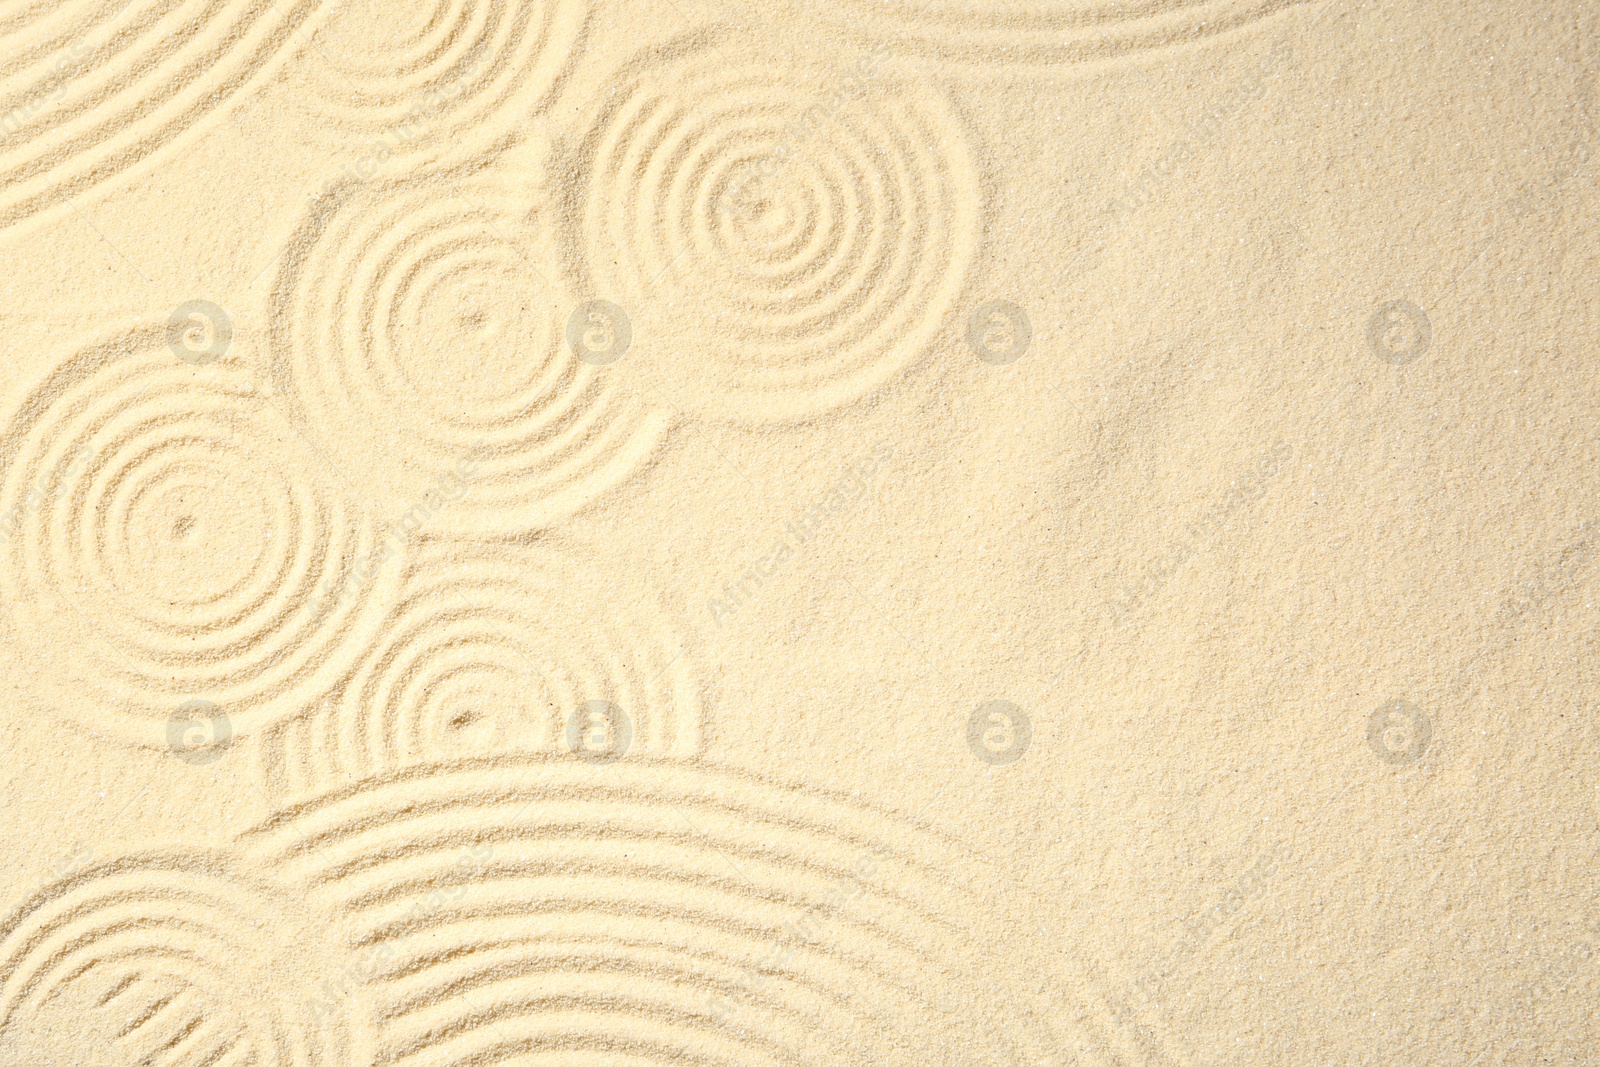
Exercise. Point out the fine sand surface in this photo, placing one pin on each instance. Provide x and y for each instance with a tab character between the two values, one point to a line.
986	533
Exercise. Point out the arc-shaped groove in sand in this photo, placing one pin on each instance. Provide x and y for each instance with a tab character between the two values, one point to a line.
165	519
89	88
419	328
171	960
493	649
1046	32
665	913
441	79
803	230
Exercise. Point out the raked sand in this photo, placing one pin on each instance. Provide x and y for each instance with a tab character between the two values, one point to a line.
1025	534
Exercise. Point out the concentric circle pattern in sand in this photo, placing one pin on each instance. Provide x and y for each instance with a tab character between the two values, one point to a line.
167	961
88	88
499	650
785	236
1002	32
542	911
439	78
163	524
417	327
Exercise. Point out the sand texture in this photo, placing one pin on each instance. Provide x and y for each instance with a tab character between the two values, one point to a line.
911	533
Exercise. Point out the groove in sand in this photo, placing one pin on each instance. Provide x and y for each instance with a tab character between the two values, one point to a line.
90	88
803	230
670	912
994	36
418	323
439	79
165	960
162	519
494	649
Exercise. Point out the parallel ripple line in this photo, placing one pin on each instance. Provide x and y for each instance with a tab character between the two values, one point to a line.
170	960
1003	33
788	236
162	521
492	649
526	909
441	79
417	326
89	88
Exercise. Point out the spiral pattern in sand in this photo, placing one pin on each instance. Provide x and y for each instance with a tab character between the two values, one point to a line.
541	911
439	78
787	237
166	961
496	650
1003	32
416	327
88	88
162	520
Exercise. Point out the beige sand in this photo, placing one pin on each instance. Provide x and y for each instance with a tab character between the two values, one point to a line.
1034	532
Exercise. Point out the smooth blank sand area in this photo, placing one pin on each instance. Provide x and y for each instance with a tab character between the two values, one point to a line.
568	532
